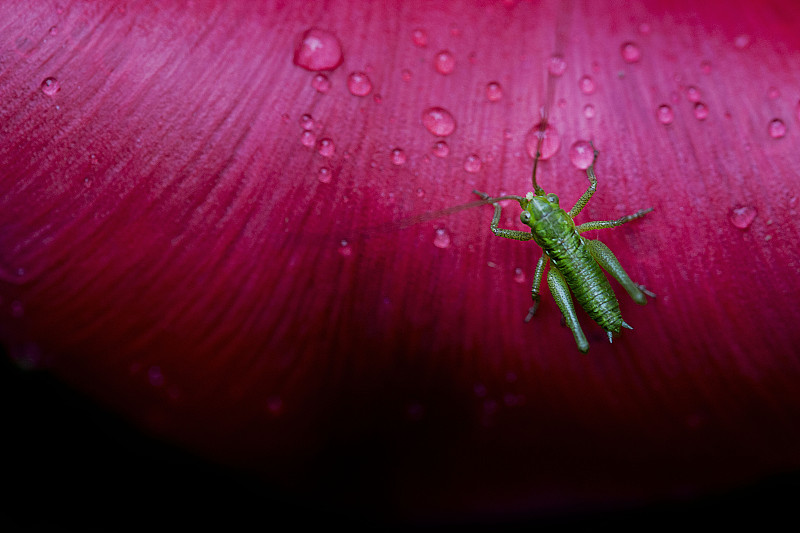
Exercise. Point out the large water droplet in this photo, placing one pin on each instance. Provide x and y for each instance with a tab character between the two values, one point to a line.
419	37
326	148
321	83
472	163
588	111
581	154
551	141
398	156
444	62
318	50
631	52
494	91
700	111
50	86
742	217
438	121
693	94
777	128
359	84
586	84
324	175
441	239
664	114
308	138
441	149
556	66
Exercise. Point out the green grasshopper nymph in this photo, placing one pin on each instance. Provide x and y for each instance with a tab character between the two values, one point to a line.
576	260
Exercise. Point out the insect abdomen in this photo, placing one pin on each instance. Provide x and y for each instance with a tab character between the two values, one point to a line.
556	234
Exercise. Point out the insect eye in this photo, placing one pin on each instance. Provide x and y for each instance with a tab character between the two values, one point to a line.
552	198
525	217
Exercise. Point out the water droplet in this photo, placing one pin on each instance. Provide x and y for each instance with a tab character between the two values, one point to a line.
444	62
359	84
551	141
556	66
664	114
318	50
308	138
398	156
644	28
631	52
519	275
773	93
742	217
345	250
50	86
581	154
588	111
405	75
420	192
377	98
700	111
326	148
439	121
472	163
321	83
307	122
741	41
777	128
53	30
324	175
705	66
441	238
586	85
419	37
155	377
693	94
441	149
494	91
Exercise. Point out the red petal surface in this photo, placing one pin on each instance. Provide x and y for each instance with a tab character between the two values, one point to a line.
167	244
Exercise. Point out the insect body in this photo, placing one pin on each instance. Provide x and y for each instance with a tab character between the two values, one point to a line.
576	261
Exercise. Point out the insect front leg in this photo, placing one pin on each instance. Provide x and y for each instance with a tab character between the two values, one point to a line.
500	232
560	290
585	197
537	282
609	262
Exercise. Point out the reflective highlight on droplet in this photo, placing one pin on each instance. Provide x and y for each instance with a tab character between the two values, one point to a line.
326	148
359	84
556	66
776	128
664	114
441	239
318	50
581	154
321	83
743	216
444	62
551	141
494	91
631	52
588	111
419	37
441	149
700	111
472	163
439	121
693	94
586	85
50	86
398	156
324	175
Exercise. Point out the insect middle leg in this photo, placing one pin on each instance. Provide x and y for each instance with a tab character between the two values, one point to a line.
603	224
609	262
537	282
560	290
500	232
585	197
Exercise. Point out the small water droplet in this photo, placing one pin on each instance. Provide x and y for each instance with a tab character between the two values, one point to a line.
705	66
359	84
405	75
693	94
155	376
472	163
420	192
326	148
586	84
398	156
438	121
441	149
377	98
741	41
441	238
700	111
53	30
318	50
494	91
444	62
50	86
644	28
308	138
664	114
588	111
631	52
581	154
345	250
324	175
519	275
777	128
556	66
551	141
307	122
419	37
321	83
743	216
773	93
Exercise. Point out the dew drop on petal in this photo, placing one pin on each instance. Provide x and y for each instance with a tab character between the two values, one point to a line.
494	91
439	121
441	238
318	50
692	94
631	52
551	141
588	111
50	86
741	41
700	111
345	250
556	66
777	128
519	275
441	149
773	93
586	84
326	148
398	156
324	175
664	114
307	122
419	37
472	163
359	84
742	217
420	192
321	83
308	138
444	62
581	154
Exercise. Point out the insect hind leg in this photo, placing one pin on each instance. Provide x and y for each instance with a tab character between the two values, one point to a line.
609	262
560	290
